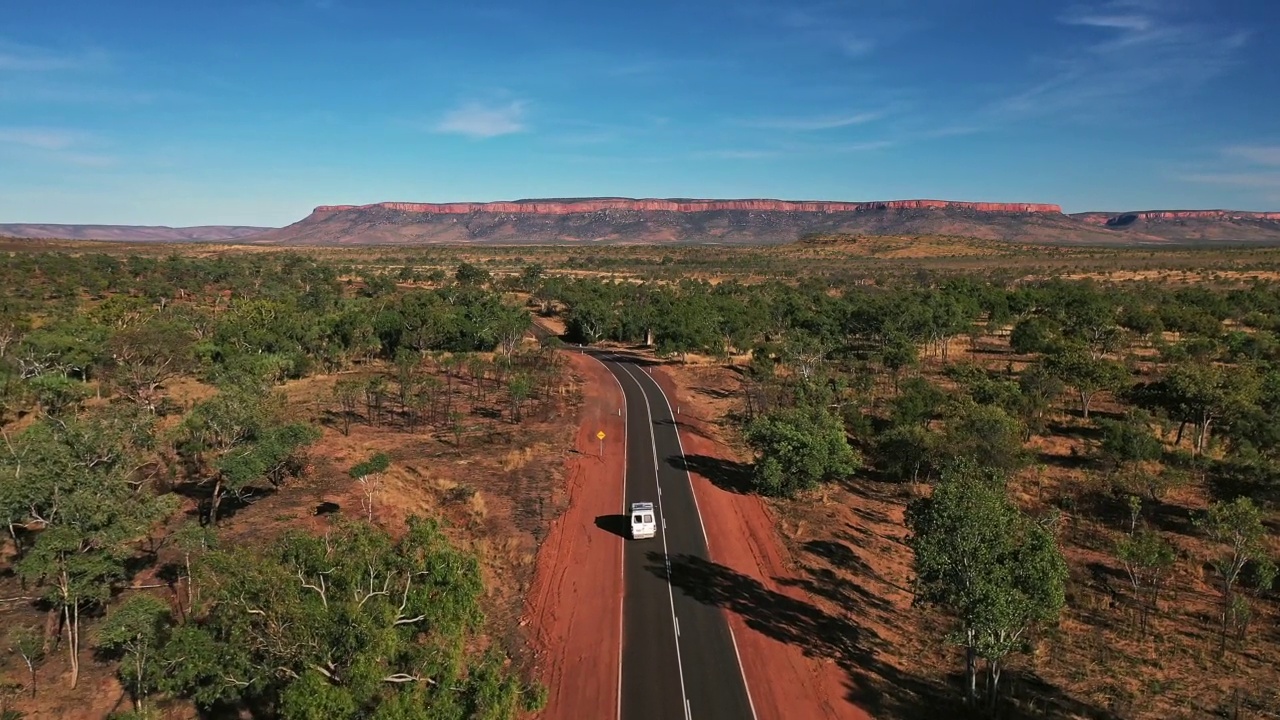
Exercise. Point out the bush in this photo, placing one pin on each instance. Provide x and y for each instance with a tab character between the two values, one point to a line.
799	448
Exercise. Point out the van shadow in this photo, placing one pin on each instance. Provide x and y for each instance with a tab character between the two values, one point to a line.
619	525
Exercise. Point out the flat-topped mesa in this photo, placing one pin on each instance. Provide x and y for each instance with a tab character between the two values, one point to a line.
1149	215
587	205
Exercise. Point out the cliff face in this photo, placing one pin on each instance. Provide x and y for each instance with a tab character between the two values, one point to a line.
1158	215
749	221
588	205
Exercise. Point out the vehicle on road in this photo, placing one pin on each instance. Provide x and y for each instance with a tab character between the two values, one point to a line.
643	522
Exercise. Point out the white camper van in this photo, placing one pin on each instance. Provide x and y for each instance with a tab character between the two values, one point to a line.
643	522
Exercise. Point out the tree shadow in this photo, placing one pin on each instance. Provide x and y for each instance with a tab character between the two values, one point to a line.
619	525
202	494
727	475
683	427
718	393
872	684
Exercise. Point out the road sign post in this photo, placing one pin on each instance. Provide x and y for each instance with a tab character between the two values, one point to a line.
600	437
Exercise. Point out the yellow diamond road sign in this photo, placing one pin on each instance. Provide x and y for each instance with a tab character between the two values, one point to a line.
600	434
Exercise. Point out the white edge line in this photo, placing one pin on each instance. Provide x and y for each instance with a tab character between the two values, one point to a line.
676	426
671	595
622	547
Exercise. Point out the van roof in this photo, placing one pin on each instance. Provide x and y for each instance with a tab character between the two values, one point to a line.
641	506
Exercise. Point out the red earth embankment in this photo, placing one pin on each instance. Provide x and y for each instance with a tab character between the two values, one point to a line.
574	611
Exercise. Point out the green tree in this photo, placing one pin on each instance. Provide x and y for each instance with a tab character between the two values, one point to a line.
369	475
799	448
347	393
238	439
57	394
997	572
146	356
1203	394
1087	374
80	481
904	451
471	275
27	643
133	631
1032	335
1238	526
510	327
918	403
983	434
1148	559
354	624
1129	441
1039	388
519	388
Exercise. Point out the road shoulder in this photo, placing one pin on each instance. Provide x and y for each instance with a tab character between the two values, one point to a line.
573	613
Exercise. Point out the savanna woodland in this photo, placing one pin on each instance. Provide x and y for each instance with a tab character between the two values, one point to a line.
1014	482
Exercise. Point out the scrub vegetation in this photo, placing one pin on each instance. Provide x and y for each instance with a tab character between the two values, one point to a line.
1053	471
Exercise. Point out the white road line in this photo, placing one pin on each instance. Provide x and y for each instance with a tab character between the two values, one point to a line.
622	547
671	595
745	685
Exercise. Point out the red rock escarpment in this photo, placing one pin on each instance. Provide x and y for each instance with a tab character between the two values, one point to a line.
1149	215
567	207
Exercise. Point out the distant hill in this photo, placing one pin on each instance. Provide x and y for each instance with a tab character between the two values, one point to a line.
1190	226
623	220
743	222
129	233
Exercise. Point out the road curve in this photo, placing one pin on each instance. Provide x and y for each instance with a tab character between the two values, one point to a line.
679	657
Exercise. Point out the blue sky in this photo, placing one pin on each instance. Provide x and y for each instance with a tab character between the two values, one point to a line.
161	112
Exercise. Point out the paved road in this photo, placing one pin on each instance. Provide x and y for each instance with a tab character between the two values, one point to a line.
679	658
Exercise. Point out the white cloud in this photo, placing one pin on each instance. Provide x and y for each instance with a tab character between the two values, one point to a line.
16	57
1254	154
1145	52
1135	23
738	154
39	138
1257	181
478	120
823	122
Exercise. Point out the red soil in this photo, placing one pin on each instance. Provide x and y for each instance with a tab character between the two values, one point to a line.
784	682
574	609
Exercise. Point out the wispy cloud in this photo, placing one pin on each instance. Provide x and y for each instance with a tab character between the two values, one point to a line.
842	26
480	120
68	147
1257	181
821	122
1254	169
1139	50
794	150
39	138
1254	154
1134	23
18	57
738	154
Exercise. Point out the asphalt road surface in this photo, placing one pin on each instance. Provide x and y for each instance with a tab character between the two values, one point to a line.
679	657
